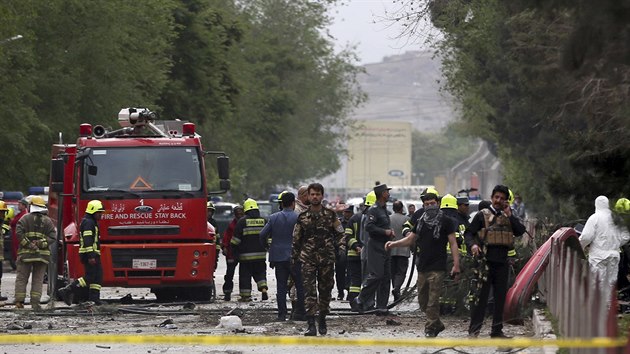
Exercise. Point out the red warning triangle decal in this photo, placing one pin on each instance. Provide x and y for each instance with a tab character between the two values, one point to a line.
140	184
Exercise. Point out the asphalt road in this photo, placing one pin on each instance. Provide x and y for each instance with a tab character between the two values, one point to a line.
405	322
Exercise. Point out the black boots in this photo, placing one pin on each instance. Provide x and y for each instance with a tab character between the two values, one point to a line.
321	323
67	293
311	331
95	296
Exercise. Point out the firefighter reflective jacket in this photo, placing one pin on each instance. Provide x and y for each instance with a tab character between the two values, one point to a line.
33	232
352	231
89	246
246	240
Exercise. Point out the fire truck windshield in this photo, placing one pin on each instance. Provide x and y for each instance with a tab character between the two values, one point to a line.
142	169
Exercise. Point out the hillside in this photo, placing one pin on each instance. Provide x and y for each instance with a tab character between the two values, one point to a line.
406	88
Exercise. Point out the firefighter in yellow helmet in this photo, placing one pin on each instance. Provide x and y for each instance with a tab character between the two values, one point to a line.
355	246
449	207
90	253
3	212
428	193
250	252
34	231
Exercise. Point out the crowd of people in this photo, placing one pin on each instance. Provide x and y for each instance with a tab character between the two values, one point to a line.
366	254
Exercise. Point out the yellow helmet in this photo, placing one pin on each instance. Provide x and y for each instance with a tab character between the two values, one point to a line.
448	202
429	190
370	198
94	206
3	206
510	197
250	204
10	214
210	206
622	206
38	201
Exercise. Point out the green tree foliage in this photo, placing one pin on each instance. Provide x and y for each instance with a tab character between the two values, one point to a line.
434	153
547	83
295	96
77	62
260	78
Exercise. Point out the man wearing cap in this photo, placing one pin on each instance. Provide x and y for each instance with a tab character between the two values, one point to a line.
23	209
379	265
463	208
278	235
34	231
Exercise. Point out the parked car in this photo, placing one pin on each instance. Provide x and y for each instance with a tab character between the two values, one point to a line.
223	215
267	208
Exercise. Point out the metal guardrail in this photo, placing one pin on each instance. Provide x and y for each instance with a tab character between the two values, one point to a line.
580	307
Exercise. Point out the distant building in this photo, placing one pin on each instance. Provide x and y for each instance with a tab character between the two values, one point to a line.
378	151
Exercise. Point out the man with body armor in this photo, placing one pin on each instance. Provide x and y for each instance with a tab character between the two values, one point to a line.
491	235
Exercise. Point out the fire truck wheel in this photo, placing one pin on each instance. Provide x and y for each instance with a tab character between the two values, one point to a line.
164	294
199	293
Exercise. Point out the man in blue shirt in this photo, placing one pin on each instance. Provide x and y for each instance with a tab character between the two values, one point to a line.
277	236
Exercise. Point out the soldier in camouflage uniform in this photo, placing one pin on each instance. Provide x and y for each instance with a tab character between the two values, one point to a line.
314	238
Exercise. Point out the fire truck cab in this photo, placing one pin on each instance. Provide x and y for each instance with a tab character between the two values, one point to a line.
151	178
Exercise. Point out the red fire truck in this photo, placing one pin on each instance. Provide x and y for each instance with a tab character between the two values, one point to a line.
151	178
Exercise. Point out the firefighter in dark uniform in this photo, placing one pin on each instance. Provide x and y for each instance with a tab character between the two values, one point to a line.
90	253
353	241
251	254
454	293
315	236
379	264
490	236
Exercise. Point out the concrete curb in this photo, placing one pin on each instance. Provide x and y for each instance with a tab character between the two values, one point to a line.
544	330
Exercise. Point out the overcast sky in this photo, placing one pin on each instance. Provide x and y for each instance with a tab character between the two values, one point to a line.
361	22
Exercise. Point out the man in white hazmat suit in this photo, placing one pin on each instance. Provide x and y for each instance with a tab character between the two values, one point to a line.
604	238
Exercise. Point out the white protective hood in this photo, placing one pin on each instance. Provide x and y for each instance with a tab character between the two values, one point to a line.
601	234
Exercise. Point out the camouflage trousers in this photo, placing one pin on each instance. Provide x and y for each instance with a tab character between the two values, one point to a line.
429	290
23	272
318	278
